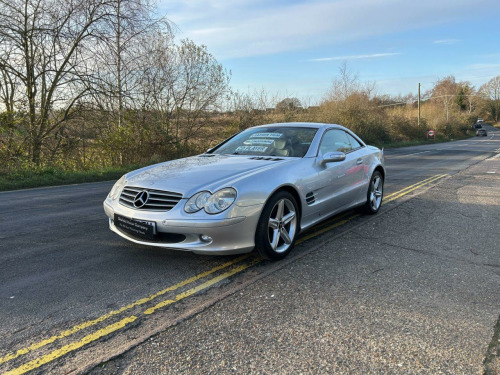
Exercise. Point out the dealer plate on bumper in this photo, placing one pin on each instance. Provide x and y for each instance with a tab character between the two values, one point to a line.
137	228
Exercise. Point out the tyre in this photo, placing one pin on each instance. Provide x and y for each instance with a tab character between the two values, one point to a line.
375	194
278	227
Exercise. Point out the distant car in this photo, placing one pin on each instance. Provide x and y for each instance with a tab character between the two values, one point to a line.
477	126
258	189
482	132
479	119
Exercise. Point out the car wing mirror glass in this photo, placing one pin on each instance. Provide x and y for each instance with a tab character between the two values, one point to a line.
332	157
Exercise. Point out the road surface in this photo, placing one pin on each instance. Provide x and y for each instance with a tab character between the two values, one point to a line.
73	294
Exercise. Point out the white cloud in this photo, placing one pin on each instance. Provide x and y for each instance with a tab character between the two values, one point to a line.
446	41
478	74
355	57
249	28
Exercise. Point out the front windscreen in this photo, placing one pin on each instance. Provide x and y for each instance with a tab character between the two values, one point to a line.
269	141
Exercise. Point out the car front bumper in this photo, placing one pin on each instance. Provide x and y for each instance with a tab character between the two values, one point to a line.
228	235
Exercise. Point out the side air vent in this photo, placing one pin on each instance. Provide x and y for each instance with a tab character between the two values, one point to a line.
310	199
206	155
265	158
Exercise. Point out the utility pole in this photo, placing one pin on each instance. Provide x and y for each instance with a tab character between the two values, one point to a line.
418	104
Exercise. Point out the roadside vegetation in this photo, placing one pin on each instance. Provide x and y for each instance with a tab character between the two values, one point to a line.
89	88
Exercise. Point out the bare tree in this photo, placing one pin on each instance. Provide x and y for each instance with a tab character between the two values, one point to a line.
183	84
45	44
445	91
490	91
122	52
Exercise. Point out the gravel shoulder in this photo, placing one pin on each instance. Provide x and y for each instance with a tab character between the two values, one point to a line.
415	290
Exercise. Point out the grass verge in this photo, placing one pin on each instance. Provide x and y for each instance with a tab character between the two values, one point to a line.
28	178
420	142
492	360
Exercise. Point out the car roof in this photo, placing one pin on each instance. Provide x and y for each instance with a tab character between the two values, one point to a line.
315	125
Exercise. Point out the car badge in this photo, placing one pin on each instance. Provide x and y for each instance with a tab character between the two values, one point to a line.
141	199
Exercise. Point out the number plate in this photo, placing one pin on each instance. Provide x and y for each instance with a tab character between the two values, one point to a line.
137	228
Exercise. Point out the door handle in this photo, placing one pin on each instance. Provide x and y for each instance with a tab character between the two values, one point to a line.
359	161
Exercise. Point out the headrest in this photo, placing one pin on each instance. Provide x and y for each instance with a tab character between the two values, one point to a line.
280	144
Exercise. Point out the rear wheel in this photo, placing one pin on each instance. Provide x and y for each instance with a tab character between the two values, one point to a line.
375	194
278	226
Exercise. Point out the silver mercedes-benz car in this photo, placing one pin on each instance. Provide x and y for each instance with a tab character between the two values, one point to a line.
256	190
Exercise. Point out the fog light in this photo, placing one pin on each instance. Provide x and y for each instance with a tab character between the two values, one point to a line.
205	238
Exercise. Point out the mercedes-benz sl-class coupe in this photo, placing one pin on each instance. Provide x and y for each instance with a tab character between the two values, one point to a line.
256	190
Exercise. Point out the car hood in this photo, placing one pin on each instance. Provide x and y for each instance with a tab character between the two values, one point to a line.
203	172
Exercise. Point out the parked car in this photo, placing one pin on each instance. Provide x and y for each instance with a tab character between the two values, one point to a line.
482	132
256	190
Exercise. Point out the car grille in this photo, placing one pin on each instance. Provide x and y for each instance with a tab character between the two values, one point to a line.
158	200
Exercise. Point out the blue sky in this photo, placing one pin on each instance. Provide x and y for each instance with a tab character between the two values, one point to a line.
295	48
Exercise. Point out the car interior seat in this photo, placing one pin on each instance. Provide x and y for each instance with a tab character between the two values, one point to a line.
281	148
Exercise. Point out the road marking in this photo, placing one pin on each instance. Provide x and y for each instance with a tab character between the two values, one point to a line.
402	156
70	347
411	186
102	318
397	194
393	197
122	323
205	285
326	229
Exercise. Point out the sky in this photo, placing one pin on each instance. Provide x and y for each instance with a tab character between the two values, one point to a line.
294	48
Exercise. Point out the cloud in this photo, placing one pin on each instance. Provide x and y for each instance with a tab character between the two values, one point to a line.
242	28
355	57
478	73
446	41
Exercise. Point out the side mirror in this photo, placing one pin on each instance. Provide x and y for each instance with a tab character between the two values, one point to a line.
332	157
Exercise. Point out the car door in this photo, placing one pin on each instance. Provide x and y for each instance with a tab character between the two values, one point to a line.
358	177
336	178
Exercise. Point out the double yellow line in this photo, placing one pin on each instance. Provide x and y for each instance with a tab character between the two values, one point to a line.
31	365
387	199
409	189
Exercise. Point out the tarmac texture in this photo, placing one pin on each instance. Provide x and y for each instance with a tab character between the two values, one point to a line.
414	290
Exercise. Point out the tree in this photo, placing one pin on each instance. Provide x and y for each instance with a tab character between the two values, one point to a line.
466	97
490	91
181	83
445	91
45	45
122	53
347	83
289	104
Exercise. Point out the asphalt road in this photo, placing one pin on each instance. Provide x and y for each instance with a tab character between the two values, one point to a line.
61	268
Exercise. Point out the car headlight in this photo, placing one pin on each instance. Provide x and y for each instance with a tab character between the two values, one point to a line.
212	203
197	202
220	201
117	188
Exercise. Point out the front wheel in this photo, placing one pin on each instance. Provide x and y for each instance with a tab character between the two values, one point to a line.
278	226
375	194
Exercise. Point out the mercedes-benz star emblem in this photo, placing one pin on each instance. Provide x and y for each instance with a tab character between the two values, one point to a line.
141	199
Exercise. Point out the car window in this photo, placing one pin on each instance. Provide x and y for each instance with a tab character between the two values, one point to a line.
269	141
335	140
353	141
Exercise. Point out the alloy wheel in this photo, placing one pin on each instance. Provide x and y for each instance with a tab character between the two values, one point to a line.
282	225
376	192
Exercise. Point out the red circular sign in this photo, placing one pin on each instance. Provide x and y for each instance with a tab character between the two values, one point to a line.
430	133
